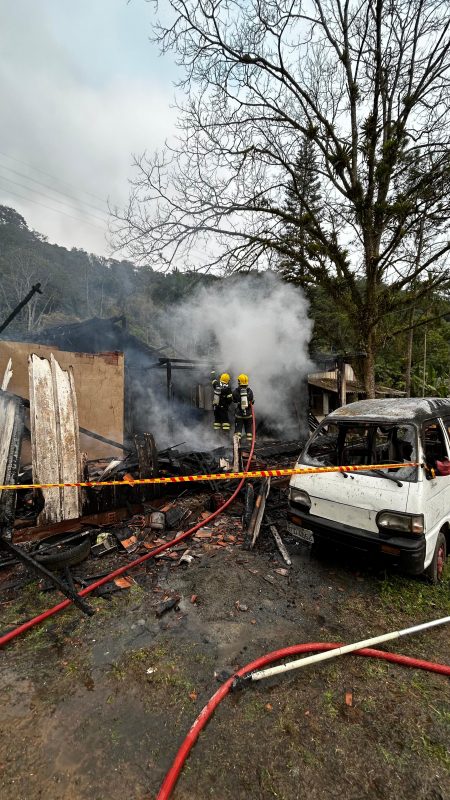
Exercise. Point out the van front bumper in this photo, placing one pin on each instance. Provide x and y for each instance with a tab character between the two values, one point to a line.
405	552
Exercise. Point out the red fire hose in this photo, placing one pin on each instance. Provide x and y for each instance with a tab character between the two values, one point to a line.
208	710
7	637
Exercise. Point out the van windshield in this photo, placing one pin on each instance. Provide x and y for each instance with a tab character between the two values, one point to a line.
336	444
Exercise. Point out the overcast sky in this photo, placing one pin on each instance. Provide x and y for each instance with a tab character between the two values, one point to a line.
81	88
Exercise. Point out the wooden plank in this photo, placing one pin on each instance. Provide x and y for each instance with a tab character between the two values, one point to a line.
11	431
265	489
44	437
7	376
54	437
281	546
7	416
254	527
36	533
236	453
66	414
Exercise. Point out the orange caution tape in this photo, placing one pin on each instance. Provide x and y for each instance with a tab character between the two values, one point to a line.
215	476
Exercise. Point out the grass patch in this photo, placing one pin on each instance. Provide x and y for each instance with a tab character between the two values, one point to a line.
390	758
131	664
435	751
169	672
375	669
328	704
443	714
368	704
268	784
114	736
287	727
31	601
415	596
252	710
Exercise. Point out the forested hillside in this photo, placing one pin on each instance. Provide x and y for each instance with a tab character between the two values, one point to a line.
77	285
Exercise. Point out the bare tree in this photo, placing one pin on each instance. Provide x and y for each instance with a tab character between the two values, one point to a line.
367	82
23	269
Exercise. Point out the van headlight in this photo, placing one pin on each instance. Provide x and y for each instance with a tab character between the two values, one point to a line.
299	497
401	523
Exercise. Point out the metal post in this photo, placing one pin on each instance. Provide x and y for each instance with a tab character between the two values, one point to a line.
169	396
341	381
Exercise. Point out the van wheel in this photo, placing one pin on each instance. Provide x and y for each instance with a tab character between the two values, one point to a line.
319	549
435	570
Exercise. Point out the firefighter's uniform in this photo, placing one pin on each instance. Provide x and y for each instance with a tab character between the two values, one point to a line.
222	398
243	397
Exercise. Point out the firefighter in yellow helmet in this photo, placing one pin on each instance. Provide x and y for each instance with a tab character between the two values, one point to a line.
243	398
222	398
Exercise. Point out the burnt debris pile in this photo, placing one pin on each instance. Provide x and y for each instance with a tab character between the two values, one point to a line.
119	524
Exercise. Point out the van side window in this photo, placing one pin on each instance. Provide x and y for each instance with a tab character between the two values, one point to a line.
434	444
337	445
393	443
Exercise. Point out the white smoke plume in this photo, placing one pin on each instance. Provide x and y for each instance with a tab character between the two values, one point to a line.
258	325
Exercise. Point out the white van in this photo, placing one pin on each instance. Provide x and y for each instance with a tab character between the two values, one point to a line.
401	514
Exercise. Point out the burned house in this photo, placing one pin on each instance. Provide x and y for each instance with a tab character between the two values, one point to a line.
151	388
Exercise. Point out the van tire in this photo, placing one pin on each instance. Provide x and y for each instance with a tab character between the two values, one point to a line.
435	570
319	549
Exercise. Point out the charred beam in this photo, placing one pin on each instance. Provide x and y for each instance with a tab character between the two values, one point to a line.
254	528
43	572
281	546
36	289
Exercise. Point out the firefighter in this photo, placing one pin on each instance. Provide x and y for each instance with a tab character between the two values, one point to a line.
222	398
243	397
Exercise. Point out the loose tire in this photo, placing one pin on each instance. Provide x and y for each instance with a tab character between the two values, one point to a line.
66	556
435	570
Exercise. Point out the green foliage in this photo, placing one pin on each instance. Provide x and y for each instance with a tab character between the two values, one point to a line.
303	205
77	285
334	332
416	597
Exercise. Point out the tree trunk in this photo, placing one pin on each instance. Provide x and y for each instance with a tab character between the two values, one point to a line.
369	368
409	350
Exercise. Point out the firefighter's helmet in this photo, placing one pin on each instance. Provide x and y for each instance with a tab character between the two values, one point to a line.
243	380
224	378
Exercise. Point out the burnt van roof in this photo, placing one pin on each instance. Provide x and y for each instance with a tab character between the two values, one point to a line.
405	408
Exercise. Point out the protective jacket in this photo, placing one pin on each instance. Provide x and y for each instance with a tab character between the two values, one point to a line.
222	394
243	397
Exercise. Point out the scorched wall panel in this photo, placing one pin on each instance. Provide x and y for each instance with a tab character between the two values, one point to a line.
99	384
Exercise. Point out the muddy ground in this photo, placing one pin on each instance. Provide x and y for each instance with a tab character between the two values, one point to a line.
97	707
